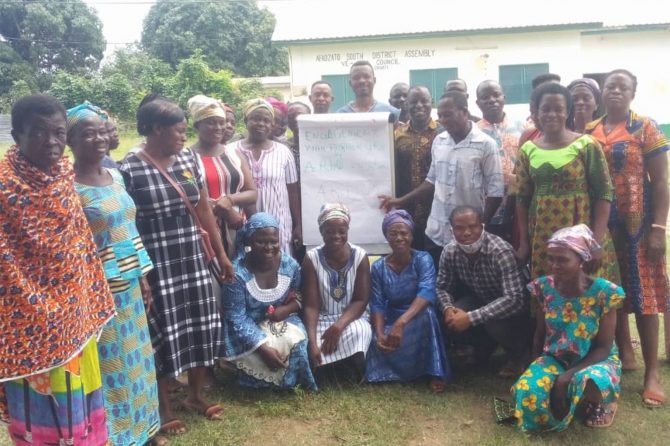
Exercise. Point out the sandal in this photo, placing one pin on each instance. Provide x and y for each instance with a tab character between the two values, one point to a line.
158	441
601	415
213	412
437	385
652	400
173	427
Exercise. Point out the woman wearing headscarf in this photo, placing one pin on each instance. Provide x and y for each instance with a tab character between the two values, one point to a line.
636	152
184	318
585	103
336	291
407	341
263	335
55	298
274	171
124	347
577	362
228	179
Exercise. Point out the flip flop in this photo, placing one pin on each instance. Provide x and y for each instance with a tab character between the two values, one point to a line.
598	413
658	399
212	412
158	441
173	427
437	386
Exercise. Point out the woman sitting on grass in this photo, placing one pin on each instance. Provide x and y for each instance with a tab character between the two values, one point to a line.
576	319
263	335
407	342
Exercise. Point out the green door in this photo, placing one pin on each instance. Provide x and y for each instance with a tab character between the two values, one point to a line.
341	90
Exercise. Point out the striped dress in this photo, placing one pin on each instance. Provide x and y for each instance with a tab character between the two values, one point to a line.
223	176
125	351
272	172
357	335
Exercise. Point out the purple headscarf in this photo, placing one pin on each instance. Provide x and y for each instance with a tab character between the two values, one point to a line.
397	216
576	238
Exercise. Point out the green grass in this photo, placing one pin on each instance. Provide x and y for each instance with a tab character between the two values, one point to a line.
399	414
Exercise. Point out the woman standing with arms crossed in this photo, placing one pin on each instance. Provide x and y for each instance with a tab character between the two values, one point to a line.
274	172
228	179
636	152
184	319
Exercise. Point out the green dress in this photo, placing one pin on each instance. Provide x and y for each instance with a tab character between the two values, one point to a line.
571	326
559	187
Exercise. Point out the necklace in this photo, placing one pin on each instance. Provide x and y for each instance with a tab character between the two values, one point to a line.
283	326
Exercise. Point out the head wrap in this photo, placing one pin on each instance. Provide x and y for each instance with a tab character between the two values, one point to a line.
277	104
330	211
227	108
254	104
83	111
260	220
588	83
576	238
202	107
397	216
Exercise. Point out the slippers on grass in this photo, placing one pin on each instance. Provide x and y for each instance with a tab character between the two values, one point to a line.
601	415
213	412
437	386
652	400
173	427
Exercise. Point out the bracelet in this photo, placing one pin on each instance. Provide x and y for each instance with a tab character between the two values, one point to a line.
654	225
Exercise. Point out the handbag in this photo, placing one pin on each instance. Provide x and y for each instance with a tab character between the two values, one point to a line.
205	241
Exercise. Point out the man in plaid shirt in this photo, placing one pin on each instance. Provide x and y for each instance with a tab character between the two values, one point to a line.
481	291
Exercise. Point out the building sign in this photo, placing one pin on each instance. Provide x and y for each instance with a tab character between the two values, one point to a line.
380	59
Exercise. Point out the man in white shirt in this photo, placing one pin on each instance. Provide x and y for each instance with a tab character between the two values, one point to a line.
465	170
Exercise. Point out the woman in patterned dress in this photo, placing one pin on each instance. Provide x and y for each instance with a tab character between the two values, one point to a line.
274	170
228	179
264	337
636	152
184	319
562	180
407	342
125	351
336	291
55	299
577	361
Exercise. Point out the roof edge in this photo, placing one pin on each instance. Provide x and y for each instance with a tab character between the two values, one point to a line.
468	32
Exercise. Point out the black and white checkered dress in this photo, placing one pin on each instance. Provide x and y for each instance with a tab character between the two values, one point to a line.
184	320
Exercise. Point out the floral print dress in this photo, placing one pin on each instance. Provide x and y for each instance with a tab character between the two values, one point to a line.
571	327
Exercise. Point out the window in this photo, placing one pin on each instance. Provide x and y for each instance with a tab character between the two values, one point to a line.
516	81
434	79
341	90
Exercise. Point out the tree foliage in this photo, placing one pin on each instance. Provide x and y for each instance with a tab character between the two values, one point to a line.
53	36
232	35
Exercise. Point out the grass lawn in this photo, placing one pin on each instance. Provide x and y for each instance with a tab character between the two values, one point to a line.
399	414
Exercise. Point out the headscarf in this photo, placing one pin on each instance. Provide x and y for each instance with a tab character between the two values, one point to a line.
50	271
589	83
84	111
397	216
260	220
277	105
330	211
202	107
254	104
577	238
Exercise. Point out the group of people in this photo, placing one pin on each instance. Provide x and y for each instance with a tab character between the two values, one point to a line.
116	278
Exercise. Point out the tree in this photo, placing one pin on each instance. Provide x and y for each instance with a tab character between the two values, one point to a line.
194	76
53	35
233	35
143	72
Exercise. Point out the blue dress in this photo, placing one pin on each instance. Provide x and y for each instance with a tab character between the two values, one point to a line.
246	328
421	351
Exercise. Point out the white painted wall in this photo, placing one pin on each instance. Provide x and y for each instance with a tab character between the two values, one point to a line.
569	54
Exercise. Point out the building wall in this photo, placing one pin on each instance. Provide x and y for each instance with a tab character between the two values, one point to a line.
569	53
